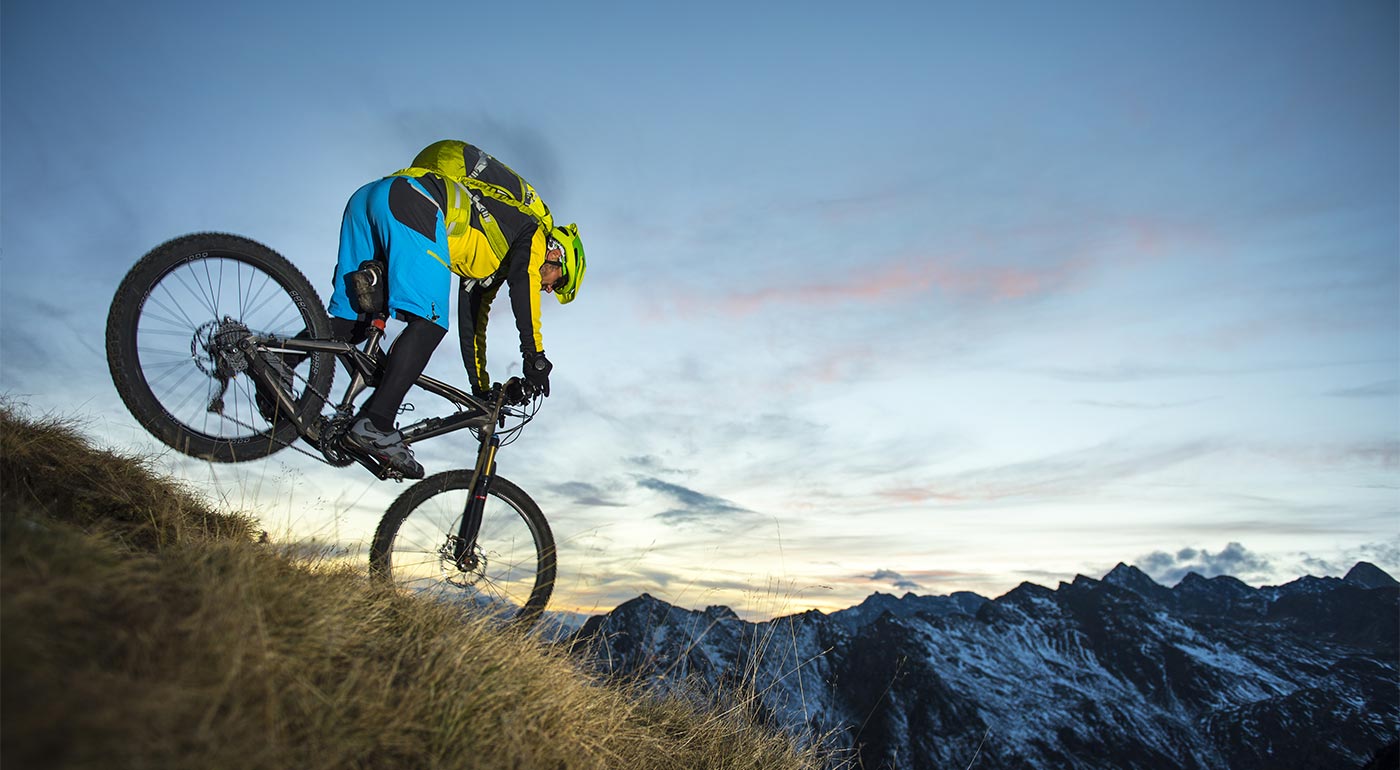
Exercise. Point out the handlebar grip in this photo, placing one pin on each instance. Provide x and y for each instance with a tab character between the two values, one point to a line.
517	391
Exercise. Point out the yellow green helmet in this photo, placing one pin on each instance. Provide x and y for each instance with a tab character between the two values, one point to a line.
574	263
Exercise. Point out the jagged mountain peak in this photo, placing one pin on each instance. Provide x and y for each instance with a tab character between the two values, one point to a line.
721	612
1131	578
1081	581
878	604
1368	575
1026	592
644	600
1127	576
1195	582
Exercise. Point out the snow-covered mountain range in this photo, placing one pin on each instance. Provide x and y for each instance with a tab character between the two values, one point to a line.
1114	673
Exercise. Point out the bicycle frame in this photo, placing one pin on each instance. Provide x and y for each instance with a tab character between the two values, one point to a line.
365	367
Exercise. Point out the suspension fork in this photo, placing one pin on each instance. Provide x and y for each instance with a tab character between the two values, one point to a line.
464	547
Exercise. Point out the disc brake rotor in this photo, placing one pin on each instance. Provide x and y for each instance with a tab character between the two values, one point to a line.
462	575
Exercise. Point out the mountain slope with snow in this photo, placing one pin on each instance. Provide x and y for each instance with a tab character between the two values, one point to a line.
1114	673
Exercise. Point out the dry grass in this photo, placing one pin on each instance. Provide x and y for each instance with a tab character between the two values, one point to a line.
140	629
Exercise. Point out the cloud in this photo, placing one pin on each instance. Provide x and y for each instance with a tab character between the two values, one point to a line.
1382	389
582	493
696	507
1128	372
901	279
652	464
1234	560
1142	405
47	339
895	579
1132	371
1067	473
1384	554
1380	453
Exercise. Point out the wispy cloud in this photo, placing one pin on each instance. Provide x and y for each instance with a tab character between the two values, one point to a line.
44	340
1382	389
1381	453
696	507
583	493
1128	372
1076	472
1137	371
898	280
1142	405
651	464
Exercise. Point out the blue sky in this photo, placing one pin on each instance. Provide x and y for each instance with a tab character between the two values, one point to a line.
904	296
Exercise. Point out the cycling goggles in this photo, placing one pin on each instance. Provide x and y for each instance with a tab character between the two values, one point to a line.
557	250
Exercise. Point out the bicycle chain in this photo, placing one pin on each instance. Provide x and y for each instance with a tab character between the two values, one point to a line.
272	433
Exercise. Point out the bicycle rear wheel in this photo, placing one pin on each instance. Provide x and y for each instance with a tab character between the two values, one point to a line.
168	344
514	570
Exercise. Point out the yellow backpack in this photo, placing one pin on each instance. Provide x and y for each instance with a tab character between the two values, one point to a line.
475	253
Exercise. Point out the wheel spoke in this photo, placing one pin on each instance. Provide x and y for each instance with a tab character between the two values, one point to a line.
199	293
180	408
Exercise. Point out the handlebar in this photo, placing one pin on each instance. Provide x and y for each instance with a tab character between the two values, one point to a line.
517	391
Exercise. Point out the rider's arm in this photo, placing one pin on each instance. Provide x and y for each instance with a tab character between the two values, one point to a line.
473	308
525	259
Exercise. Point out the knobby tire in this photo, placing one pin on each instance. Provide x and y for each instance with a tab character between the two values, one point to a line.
172	294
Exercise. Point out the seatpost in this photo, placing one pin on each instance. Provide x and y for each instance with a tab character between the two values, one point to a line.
358	382
375	334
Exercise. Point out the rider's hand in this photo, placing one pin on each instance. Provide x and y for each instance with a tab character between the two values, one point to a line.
484	396
537	369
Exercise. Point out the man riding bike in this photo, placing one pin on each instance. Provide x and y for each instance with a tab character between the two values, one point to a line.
459	211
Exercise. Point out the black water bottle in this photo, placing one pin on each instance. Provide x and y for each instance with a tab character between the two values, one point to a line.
367	288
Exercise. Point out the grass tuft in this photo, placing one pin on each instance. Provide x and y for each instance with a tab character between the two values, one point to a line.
141	628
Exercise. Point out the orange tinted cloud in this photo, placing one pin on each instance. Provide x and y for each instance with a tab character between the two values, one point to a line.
896	282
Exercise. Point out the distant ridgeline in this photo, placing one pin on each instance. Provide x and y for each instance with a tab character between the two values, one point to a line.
1114	673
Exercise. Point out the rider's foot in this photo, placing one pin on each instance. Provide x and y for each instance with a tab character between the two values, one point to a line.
388	448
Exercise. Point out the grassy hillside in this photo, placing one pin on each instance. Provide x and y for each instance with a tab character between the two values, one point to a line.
141	629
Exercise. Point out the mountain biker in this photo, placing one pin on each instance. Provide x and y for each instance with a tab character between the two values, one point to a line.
455	210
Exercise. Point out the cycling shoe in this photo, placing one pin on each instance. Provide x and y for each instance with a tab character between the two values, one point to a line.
387	448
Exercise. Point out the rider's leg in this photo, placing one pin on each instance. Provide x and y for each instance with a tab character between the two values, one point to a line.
407	359
347	330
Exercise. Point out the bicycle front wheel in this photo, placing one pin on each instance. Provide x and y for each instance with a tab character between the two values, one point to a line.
510	572
171	338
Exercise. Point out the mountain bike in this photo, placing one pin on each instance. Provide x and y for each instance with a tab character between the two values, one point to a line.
221	348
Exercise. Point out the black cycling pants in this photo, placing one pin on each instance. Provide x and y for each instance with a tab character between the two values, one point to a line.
408	357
